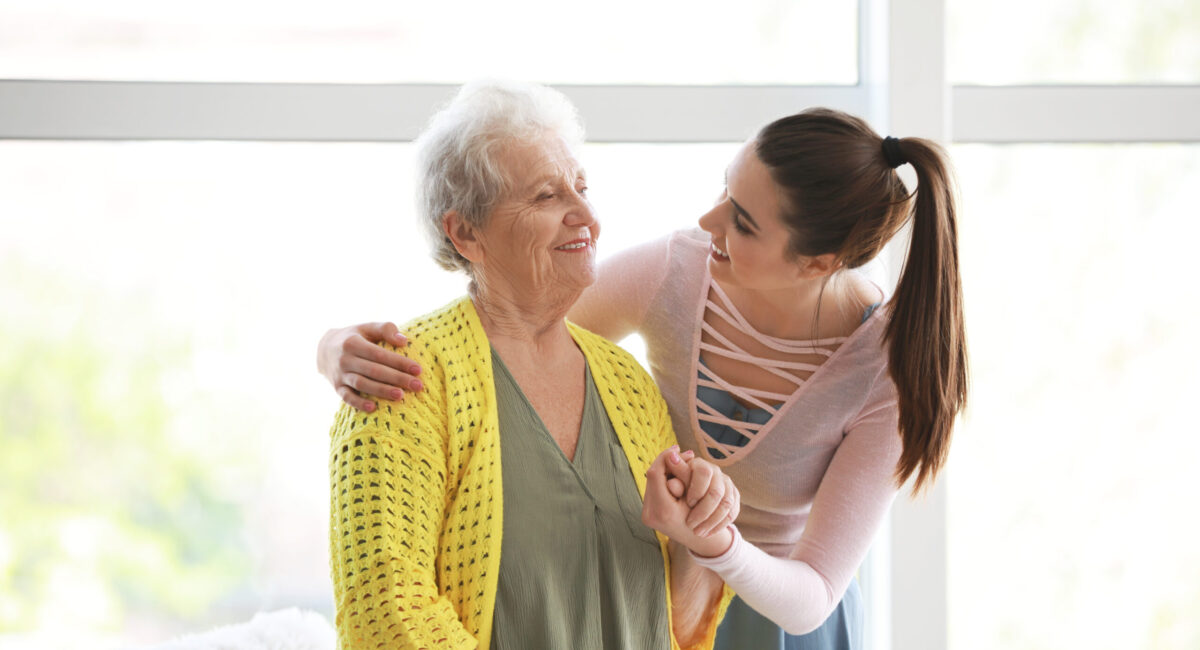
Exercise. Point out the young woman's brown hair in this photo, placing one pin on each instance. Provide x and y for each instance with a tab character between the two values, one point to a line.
842	195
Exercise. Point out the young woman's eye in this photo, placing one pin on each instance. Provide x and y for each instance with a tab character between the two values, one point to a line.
739	226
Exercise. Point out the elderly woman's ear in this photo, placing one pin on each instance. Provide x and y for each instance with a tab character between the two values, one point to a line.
463	235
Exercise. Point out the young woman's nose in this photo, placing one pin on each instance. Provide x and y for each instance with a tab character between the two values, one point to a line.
711	221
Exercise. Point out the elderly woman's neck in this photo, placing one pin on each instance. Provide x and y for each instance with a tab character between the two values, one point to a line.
536	320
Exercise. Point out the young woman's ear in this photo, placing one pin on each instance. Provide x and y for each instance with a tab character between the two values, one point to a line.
464	236
820	265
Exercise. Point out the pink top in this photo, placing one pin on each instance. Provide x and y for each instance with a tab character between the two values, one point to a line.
816	480
724	309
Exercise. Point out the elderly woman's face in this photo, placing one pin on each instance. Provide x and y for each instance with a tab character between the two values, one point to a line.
542	235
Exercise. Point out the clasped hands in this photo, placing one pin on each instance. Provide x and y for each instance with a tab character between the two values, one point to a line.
691	501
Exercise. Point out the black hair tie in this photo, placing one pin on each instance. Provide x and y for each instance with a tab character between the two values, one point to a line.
891	152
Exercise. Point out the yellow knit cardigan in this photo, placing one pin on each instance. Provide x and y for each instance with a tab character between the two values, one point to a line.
416	510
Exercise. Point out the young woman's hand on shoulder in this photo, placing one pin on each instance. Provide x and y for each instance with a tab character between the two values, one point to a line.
351	359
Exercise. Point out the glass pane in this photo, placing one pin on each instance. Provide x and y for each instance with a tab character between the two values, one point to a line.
1075	469
1073	41
644	191
163	439
621	41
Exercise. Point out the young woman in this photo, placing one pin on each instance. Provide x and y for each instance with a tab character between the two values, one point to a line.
780	363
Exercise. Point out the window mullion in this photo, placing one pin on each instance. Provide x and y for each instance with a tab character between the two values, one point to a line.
1006	114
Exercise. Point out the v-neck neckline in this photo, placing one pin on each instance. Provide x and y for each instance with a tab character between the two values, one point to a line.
540	425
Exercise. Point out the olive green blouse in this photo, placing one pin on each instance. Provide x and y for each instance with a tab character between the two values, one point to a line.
578	568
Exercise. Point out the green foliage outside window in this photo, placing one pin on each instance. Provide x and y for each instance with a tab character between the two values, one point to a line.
107	521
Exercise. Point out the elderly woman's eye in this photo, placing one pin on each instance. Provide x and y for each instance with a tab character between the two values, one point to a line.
545	196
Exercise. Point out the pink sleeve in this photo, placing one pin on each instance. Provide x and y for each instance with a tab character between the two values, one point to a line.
800	592
615	306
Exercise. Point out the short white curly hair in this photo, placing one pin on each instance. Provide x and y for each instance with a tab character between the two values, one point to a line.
458	152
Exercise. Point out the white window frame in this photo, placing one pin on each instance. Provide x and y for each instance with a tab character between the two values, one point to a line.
902	89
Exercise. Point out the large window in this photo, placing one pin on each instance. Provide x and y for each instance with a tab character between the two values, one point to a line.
170	251
1070	466
1070	478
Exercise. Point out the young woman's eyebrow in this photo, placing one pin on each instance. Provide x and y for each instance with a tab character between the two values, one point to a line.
737	206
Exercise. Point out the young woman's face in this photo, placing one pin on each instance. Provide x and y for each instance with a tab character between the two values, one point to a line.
749	239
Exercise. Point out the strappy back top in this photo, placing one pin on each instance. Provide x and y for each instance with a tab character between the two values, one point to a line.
727	424
836	427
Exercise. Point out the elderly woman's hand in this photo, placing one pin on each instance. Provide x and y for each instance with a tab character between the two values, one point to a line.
351	361
691	501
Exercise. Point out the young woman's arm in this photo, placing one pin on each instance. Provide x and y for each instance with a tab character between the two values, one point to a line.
351	360
799	592
613	307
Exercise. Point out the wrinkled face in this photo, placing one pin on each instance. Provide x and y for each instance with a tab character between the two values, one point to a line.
749	239
541	236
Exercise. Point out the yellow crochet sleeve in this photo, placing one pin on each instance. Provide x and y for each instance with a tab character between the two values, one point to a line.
388	480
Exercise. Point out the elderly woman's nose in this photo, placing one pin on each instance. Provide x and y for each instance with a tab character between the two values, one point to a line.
580	212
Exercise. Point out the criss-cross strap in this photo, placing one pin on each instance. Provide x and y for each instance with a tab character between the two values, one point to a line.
707	413
730	313
707	377
731	350
769	401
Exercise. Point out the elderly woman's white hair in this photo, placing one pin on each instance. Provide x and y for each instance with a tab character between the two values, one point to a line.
458	152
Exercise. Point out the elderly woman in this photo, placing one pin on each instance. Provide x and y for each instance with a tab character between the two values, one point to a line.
500	507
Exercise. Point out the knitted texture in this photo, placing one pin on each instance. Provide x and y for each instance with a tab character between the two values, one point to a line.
416	510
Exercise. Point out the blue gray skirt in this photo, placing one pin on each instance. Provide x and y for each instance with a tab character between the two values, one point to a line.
746	629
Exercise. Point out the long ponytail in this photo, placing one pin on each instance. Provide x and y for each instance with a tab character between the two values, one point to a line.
927	354
843	195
